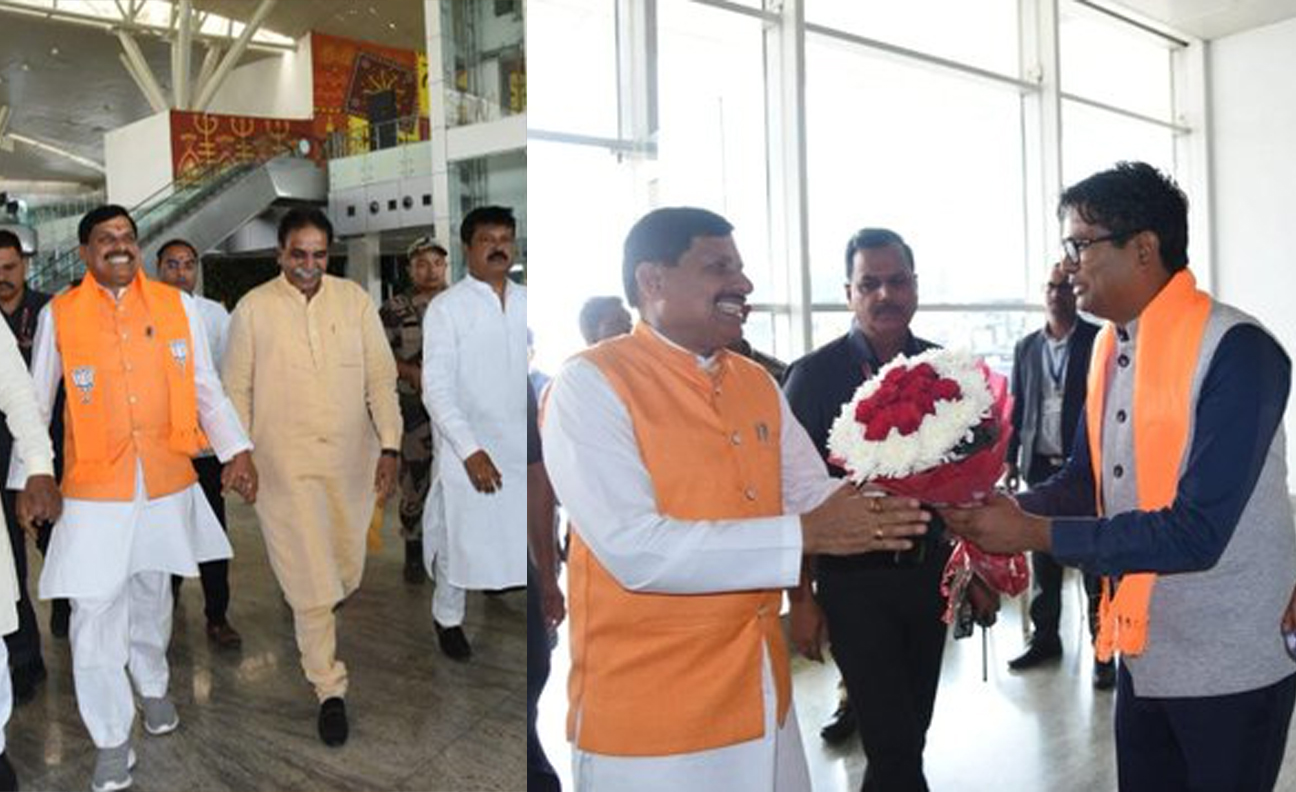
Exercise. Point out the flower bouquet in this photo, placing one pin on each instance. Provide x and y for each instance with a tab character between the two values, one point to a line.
934	427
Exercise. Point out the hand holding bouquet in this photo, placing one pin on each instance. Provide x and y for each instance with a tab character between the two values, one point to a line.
935	427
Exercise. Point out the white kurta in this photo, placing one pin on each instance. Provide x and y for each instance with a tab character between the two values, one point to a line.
216	320
593	460
18	403
474	364
97	545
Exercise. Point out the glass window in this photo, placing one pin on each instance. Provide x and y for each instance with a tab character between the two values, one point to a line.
584	202
1094	140
981	33
1108	61
574	85
935	157
712	150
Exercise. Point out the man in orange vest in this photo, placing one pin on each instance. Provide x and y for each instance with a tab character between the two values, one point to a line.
1181	454
142	399
694	495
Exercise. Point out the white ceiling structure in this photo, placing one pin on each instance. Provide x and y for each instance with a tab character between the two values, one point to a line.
64	81
66	67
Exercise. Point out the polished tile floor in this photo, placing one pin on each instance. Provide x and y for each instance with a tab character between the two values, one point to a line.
1042	730
247	717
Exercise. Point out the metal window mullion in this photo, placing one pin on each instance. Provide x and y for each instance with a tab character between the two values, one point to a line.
787	193
1147	119
1041	133
906	54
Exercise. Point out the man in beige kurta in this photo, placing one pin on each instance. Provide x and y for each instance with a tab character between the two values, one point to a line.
311	374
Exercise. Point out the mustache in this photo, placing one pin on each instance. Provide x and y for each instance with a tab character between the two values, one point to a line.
498	254
306	273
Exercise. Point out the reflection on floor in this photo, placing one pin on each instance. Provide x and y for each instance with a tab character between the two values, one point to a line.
1046	729
247	717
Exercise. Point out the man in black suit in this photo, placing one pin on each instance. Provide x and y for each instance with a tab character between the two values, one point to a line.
882	611
1050	369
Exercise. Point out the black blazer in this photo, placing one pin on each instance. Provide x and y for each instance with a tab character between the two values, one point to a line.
818	384
1028	381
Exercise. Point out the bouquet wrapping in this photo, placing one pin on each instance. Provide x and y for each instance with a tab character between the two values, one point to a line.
934	427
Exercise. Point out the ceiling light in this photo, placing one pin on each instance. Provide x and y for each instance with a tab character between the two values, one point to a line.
54	51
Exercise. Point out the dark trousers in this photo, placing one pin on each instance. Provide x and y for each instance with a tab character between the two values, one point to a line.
540	774
24	644
884	623
1233	742
1046	594
215	574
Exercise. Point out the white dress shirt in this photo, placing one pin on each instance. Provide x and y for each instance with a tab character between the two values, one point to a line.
97	545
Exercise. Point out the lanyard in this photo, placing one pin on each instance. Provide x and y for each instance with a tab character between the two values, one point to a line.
1057	363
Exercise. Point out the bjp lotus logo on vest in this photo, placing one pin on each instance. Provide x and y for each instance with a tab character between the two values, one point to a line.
179	352
83	377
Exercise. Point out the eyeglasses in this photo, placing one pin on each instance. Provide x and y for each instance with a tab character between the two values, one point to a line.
900	282
1073	247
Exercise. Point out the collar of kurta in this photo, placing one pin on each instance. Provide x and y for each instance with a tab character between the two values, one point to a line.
284	283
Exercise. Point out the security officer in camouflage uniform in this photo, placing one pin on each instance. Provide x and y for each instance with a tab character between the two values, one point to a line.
402	318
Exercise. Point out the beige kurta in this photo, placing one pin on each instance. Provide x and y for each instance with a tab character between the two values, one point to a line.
315	383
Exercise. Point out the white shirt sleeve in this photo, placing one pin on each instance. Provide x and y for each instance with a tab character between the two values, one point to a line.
216	413
593	460
441	350
46	370
21	413
216	321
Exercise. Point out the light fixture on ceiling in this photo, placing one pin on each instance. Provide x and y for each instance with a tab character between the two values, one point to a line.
54	51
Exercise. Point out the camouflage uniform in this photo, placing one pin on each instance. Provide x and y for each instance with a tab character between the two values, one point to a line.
402	318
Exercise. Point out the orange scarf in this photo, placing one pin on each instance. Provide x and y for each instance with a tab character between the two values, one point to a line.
1166	357
83	345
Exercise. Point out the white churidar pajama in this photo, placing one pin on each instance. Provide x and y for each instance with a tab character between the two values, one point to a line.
113	559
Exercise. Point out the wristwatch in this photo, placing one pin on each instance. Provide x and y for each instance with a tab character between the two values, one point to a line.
390	452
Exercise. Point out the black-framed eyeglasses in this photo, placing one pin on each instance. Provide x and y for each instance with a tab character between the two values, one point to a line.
1072	247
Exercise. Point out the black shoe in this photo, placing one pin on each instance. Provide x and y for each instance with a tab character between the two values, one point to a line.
414	573
60	613
333	721
841	726
1104	675
8	780
454	644
1038	653
25	678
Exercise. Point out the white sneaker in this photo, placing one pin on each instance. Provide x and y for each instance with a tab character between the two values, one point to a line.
112	768
160	716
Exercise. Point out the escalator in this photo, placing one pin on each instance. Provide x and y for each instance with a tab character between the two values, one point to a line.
204	208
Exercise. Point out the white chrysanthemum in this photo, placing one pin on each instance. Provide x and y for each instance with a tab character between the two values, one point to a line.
938	435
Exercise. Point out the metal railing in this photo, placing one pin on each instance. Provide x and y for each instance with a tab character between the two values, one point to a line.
375	137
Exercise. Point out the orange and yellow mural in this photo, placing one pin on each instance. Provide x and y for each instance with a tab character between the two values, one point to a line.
347	73
203	141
